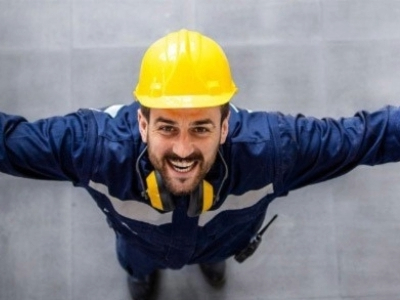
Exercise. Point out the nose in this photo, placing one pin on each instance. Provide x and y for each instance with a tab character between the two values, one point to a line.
183	145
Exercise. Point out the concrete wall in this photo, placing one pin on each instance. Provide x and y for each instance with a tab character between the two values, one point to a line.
336	240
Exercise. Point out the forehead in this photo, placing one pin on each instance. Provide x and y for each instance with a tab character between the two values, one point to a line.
186	114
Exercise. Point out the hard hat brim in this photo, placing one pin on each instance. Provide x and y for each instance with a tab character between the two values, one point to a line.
184	101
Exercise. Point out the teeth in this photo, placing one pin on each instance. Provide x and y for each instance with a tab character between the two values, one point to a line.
182	166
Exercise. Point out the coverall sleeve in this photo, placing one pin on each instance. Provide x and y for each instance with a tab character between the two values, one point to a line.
54	148
314	150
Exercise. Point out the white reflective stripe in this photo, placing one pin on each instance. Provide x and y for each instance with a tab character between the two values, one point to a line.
113	110
133	209
234	107
234	202
139	211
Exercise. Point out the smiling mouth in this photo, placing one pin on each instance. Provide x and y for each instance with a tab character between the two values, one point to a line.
182	166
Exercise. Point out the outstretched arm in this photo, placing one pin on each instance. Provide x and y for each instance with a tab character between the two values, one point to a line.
54	148
316	150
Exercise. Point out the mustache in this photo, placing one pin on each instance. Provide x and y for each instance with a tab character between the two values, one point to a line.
189	158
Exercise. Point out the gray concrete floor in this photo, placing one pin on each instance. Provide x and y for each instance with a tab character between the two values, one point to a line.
336	240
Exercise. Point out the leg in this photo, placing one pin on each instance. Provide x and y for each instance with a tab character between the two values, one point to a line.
214	273
142	271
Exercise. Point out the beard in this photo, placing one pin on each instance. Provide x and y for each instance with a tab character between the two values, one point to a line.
181	186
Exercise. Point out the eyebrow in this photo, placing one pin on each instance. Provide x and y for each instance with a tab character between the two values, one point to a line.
163	120
195	123
203	122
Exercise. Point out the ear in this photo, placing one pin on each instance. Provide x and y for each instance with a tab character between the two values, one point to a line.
143	126
224	129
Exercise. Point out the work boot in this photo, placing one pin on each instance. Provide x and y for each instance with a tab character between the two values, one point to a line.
214	273
143	289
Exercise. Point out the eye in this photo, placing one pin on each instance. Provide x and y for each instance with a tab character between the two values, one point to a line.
200	130
167	129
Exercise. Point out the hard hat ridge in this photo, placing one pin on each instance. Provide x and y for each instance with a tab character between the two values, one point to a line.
184	68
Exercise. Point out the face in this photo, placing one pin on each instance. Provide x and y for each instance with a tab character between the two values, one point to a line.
183	144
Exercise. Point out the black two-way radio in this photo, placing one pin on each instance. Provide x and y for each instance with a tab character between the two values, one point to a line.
254	243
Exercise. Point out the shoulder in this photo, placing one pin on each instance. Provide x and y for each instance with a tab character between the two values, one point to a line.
117	121
246	126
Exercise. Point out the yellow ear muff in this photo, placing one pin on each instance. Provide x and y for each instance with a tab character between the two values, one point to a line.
160	197
208	196
201	199
153	192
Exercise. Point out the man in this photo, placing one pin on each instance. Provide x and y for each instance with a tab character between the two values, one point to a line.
183	176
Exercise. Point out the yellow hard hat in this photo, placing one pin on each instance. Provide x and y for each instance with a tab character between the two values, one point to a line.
184	69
